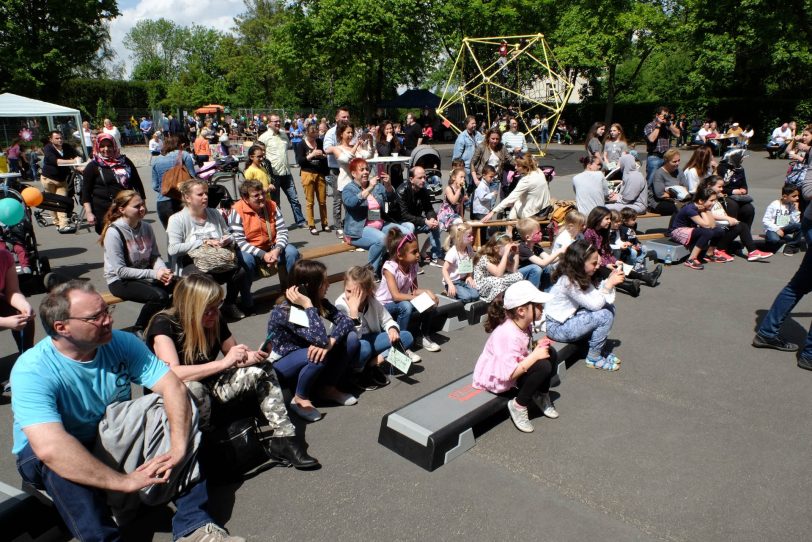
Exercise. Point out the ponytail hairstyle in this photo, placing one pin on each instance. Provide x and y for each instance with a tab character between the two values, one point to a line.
396	243
490	250
456	234
122	199
575	218
497	313
572	265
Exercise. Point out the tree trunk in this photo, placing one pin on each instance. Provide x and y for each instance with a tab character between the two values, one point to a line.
610	95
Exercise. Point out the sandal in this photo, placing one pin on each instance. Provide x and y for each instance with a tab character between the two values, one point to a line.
326	228
314	231
603	364
613	359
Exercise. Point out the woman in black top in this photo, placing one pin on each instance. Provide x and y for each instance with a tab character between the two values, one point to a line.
107	174
388	145
313	163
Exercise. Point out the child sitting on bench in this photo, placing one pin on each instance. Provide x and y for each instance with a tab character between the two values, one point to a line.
535	265
509	359
582	305
458	267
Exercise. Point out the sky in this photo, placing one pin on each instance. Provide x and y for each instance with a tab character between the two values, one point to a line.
218	14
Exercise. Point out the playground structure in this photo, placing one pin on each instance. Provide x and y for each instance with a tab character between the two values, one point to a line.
514	78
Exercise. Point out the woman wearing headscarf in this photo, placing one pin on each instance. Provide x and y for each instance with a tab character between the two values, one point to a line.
108	173
634	190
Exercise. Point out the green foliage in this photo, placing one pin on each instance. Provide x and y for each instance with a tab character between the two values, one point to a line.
85	93
43	42
103	111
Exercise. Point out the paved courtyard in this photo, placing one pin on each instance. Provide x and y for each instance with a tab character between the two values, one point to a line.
697	437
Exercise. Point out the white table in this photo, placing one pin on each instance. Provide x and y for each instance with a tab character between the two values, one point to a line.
388	159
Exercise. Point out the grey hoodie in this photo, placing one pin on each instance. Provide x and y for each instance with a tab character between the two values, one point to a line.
140	246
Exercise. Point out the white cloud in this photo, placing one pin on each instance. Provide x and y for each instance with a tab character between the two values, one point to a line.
217	14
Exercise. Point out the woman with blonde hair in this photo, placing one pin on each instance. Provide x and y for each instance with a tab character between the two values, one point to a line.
197	226
190	336
531	197
133	267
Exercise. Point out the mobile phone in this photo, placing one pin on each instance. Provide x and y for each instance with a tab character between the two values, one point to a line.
380	168
266	344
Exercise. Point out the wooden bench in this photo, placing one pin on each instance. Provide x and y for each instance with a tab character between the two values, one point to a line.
308	253
478	226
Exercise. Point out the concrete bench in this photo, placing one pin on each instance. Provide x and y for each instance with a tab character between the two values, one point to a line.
441	425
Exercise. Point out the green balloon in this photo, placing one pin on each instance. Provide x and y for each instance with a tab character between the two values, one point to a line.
11	211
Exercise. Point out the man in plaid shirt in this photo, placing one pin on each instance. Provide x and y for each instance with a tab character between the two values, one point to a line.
657	133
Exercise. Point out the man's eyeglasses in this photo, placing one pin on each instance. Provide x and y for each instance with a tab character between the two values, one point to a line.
97	318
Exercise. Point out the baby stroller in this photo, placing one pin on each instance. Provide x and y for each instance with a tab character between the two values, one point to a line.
428	158
21	237
222	170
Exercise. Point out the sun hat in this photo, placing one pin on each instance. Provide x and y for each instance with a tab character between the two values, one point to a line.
522	293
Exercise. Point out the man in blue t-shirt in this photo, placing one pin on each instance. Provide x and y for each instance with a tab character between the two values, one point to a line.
62	388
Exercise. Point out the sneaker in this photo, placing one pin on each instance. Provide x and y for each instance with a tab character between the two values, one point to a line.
210	533
719	257
694	264
776	343
722	253
377	376
758	255
519	416
436	262
430	345
546	405
805	363
340	397
790	250
66	229
414	357
420	271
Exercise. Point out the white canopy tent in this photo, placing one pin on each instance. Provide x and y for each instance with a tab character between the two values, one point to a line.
12	105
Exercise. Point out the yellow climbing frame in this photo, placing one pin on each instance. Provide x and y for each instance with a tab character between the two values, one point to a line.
530	59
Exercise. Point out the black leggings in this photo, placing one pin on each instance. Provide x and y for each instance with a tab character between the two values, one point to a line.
740	230
154	296
535	380
705	237
743	212
664	207
167	208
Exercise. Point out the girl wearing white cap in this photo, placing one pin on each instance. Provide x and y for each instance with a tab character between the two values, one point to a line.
509	360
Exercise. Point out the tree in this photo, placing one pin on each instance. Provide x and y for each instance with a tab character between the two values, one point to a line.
44	42
157	49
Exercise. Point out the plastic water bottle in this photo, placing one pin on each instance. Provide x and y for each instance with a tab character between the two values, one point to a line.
669	256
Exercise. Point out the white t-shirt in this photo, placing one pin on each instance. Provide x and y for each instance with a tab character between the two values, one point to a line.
563	240
454	260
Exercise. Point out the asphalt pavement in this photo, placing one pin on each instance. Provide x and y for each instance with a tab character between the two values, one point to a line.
699	436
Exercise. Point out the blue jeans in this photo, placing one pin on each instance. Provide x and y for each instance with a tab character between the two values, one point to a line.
434	238
465	293
532	272
594	324
287	258
295	367
374	241
403	311
653	163
545	135
799	285
285	184
792	236
84	509
374	343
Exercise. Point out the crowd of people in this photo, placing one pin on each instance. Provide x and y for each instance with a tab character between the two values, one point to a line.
180	345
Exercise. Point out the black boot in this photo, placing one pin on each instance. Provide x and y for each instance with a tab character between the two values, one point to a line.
649	279
630	286
288	451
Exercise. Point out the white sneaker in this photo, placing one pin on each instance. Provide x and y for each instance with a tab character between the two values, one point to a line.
414	357
210	533
546	405
430	345
519	417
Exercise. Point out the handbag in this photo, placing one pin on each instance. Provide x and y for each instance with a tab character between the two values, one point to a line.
174	176
233	452
214	259
741	198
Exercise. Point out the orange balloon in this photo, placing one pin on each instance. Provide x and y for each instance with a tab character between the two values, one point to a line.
32	196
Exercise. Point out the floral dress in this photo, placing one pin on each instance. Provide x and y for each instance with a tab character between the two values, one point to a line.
490	286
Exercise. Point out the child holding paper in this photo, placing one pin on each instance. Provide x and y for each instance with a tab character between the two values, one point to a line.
302	350
399	292
375	330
